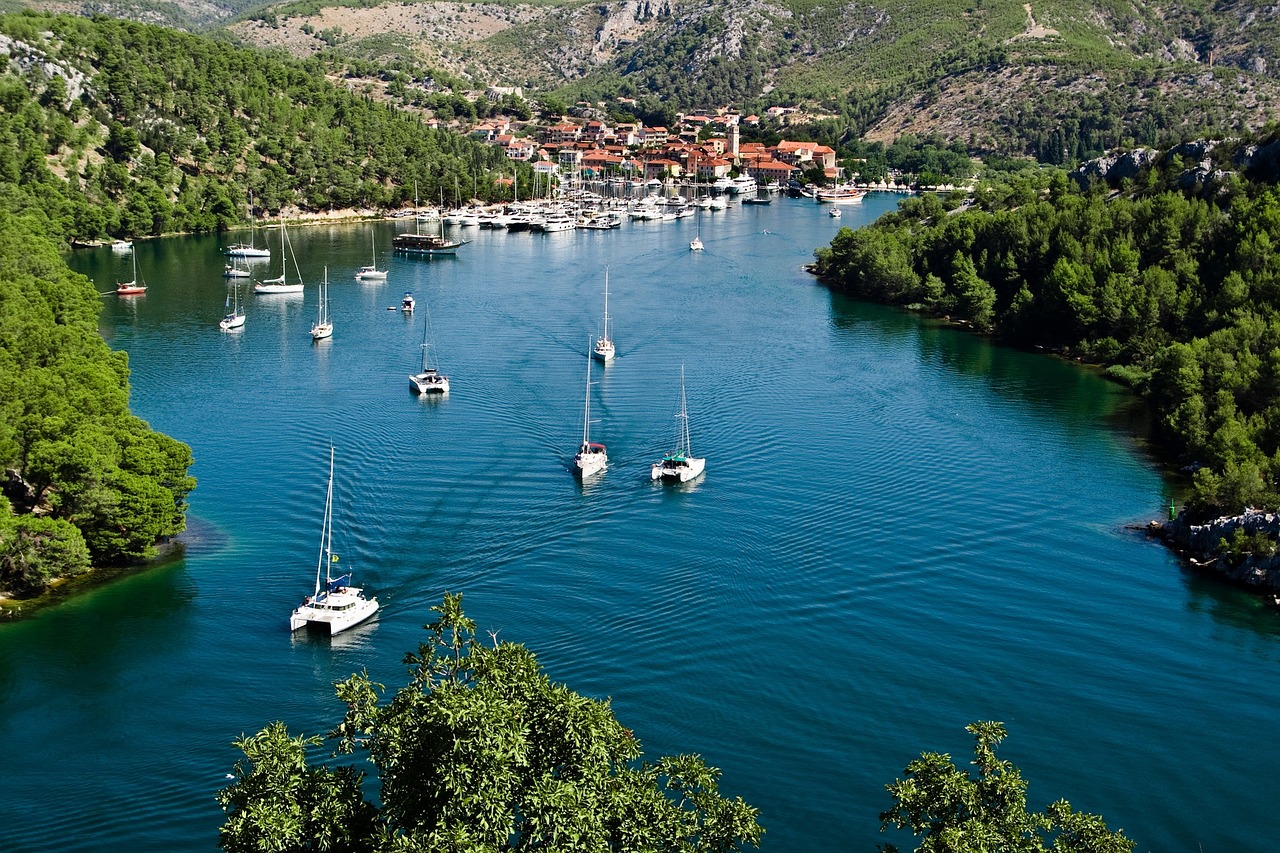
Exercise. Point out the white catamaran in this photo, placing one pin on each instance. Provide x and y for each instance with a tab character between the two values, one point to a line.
336	605
680	465
430	380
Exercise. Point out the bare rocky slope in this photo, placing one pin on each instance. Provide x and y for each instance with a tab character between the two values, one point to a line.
981	73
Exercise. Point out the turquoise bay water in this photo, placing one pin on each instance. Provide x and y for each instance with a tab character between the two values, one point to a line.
902	529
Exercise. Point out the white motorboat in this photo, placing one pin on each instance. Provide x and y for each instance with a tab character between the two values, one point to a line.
280	284
122	246
335	606
834	213
235	313
407	303
429	380
680	465
324	326
604	349
558	221
370	272
695	245
591	458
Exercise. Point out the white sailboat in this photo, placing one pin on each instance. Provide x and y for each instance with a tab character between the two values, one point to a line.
591	458
429	380
249	250
324	326
335	606
695	245
234	270
680	465
371	272
280	284
235	314
604	349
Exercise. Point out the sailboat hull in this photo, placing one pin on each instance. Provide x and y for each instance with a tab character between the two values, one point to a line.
266	287
429	382
333	612
587	465
679	472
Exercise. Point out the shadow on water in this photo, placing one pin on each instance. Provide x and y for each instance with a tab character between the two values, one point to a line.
140	609
1043	385
1229	605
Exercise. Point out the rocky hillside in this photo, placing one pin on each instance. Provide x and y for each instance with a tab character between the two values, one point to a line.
1052	80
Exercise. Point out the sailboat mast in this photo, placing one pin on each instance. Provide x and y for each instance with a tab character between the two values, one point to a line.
586	406
326	530
684	418
606	303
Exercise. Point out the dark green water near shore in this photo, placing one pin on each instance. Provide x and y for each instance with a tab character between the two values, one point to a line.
902	529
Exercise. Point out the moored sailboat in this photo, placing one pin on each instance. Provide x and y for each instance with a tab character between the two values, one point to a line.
280	284
370	272
235	314
324	326
250	249
132	288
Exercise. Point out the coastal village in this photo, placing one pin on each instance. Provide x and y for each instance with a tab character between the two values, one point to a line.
701	147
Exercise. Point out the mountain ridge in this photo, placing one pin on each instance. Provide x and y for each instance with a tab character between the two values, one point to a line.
1146	73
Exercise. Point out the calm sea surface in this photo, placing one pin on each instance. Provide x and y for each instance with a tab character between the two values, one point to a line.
902	529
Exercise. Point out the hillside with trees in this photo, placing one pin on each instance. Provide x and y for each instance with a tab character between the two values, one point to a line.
113	127
86	483
1058	82
1168	276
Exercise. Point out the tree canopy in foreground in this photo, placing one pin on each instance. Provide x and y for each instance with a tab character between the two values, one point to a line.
954	812
480	751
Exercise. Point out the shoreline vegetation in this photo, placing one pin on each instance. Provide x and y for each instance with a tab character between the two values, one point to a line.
1158	268
86	484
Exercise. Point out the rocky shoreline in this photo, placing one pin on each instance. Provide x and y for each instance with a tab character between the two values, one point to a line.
1199	544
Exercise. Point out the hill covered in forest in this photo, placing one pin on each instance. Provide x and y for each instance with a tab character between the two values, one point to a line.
1057	81
115	127
1160	265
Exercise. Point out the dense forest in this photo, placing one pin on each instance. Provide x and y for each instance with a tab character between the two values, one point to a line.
112	127
1173	283
85	482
